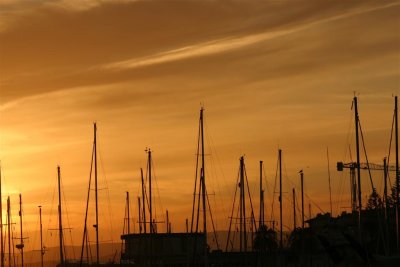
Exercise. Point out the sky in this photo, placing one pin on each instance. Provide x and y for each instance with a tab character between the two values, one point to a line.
269	74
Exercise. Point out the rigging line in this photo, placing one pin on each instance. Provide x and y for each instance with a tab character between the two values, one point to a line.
347	145
251	202
305	194
215	183
99	149
85	235
273	192
218	161
30	257
390	146
68	220
236	227
212	221
233	208
145	184
198	206
366	156
195	179
158	192
51	210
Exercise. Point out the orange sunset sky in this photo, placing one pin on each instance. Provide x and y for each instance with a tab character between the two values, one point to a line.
269	74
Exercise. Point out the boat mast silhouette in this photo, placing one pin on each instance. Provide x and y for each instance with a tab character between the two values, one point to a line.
202	188
356	119
41	236
60	228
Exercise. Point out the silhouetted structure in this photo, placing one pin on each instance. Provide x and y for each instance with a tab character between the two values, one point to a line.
164	249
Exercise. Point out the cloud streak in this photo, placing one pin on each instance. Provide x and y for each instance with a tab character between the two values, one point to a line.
228	44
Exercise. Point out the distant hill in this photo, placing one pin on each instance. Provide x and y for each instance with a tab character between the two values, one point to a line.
108	252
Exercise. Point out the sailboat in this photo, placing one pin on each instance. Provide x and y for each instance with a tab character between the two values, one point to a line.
152	248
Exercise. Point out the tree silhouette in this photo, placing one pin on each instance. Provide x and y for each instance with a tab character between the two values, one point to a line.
374	201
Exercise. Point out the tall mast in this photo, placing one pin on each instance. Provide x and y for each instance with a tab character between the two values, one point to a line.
385	195
41	236
95	192
280	199
139	216
386	206
167	222
397	172
261	221
203	187
243	233
356	119
21	245
9	230
1	225
302	198
143	201
294	209
60	228
127	206
150	192
329	181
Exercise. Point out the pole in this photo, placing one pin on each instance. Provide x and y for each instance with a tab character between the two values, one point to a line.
140	219
329	181
1	225
280	199
243	204
9	230
385	187
96	195
60	228
150	196
203	187
167	223
21	237
356	119
261	220
41	236
397	173
302	198
386	206
143	201
353	189
294	209
129	219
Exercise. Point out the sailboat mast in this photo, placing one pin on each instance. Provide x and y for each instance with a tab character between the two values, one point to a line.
139	216
9	230
21	245
1	225
261	220
302	198
127	206
150	192
356	119
397	173
41	236
280	199
60	228
96	198
143	201
329	181
242	205
294	209
203	187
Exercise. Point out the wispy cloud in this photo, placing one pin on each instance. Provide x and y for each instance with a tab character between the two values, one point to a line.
228	44
203	49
